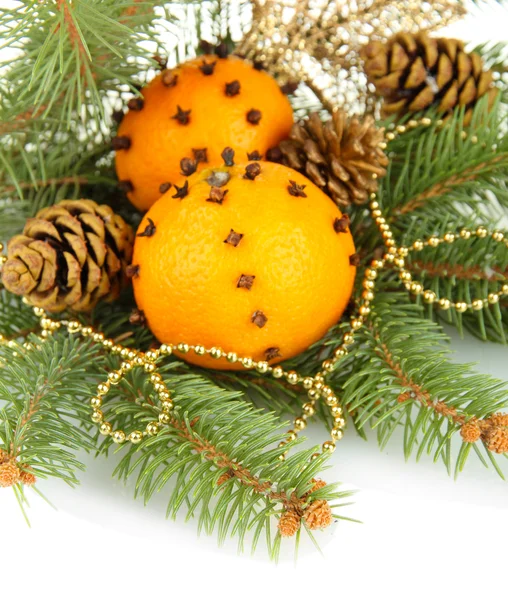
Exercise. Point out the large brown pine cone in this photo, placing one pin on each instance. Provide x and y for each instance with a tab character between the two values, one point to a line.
71	255
343	155
414	72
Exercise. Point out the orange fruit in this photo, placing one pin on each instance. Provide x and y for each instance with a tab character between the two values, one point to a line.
193	112
253	259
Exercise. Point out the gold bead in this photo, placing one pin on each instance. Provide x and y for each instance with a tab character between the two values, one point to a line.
96	402
426	122
39	312
308	408
116	349
314	456
368	295
319	379
336	433
405	275
493	298
159	387
278	372
215	353
73	326
449	238
155	378
504	289
477	304
401	129
167	406
327	391
418	245
336	410
199	350
340	352
135	437
374	205
164	418
165	349
149	367
390	136
368	285
231	357
152	428
331	400
377	263
151	355
282	444
103	388
339	422
403	251
247	362
364	310
86	331
328	366
356	323
444	303
163	396
138	361
97	416
429	296
292	377
282	457
291	435
183	348
399	262
460	307
416	288
348	338
98	337
433	241
118	436
376	214
114	377
300	423
106	428
124	352
262	366
108	344
474	139
307	383
465	234
481	232
412	123
328	446
498	236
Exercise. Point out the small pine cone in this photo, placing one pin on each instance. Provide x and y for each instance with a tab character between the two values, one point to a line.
342	156
471	431
496	439
26	477
71	255
318	515
289	523
413	72
318	484
9	474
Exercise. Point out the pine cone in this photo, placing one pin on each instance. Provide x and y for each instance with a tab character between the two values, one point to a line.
342	156
71	255
496	439
471	431
27	478
289	523
414	72
318	515
9	474
4	457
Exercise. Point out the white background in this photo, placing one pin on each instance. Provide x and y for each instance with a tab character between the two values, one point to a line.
423	534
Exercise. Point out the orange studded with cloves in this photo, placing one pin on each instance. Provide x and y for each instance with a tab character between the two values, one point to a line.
250	258
187	115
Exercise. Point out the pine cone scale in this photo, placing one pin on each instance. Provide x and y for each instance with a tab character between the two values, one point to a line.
72	254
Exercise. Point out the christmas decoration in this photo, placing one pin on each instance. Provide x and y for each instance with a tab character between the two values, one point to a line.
429	239
251	257
414	72
186	116
343	156
70	255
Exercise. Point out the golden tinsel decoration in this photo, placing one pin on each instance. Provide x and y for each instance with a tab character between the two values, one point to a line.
9	474
318	41
71	255
471	431
412	72
289	523
318	515
342	156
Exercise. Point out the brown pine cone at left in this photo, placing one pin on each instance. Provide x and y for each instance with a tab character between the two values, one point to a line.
343	156
71	255
414	72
